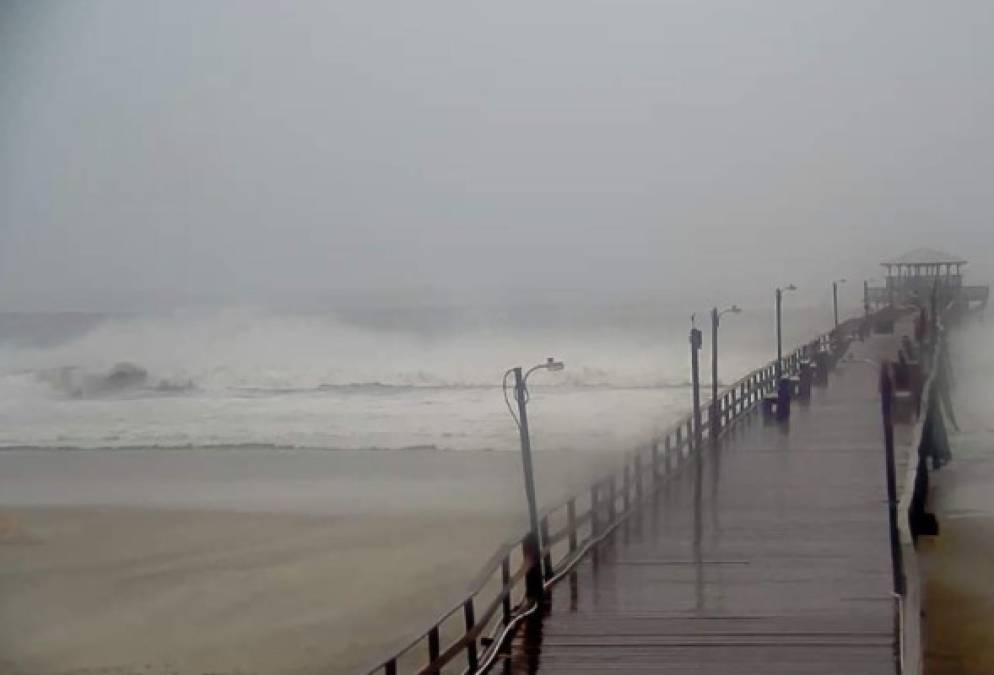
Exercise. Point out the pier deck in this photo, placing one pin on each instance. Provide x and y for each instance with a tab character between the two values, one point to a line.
767	555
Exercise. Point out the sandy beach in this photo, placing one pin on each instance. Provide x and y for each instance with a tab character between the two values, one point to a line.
129	590
957	564
219	570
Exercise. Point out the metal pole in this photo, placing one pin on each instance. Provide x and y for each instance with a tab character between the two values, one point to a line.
715	407
935	314
695	345
866	298
835	301
779	339
526	456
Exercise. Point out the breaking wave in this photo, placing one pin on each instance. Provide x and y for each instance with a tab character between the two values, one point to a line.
250	378
253	351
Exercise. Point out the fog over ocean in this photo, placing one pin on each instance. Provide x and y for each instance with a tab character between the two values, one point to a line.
353	379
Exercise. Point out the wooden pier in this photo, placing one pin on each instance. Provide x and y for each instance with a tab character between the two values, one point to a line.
757	537
769	553
773	530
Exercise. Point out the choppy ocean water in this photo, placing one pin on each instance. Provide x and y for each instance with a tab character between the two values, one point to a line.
347	379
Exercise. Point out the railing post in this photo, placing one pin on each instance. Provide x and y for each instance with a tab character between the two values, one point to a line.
679	448
638	477
547	549
434	649
612	497
733	414
571	523
390	667
594	507
627	488
470	619
505	575
655	465
534	586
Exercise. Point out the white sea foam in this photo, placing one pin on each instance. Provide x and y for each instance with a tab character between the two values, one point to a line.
350	380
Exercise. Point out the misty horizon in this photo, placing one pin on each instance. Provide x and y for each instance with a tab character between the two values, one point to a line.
161	155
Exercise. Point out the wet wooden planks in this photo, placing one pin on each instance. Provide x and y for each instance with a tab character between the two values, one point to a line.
768	554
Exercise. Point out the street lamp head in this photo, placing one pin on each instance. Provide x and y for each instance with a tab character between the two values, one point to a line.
715	314
791	287
553	365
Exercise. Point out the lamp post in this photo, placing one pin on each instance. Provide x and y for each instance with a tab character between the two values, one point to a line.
779	295
715	410
521	419
695	379
835	298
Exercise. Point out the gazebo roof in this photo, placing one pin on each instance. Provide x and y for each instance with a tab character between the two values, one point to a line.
925	256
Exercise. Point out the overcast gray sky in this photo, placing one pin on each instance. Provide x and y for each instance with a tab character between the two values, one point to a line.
186	149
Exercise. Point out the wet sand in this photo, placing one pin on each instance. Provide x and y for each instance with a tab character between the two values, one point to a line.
959	571
960	599
130	590
243	561
959	563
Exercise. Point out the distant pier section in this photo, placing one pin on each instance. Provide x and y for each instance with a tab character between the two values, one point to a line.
917	276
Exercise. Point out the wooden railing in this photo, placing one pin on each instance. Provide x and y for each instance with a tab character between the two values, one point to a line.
471	630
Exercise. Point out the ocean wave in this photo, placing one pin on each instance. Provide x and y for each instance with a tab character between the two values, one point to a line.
256	352
121	378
